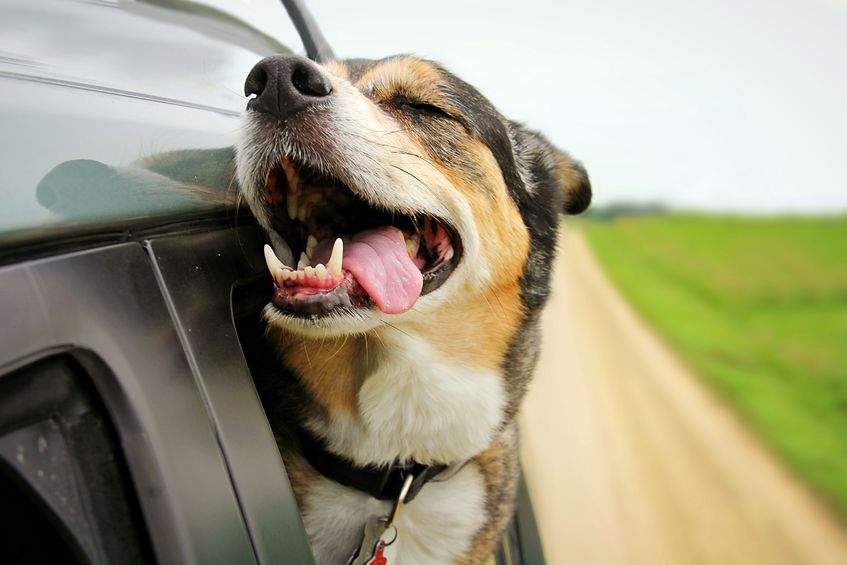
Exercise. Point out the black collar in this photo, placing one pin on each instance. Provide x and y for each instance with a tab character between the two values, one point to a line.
383	483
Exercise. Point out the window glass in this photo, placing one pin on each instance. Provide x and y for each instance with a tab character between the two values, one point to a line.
110	107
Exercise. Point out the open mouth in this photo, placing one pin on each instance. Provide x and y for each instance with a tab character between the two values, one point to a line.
352	254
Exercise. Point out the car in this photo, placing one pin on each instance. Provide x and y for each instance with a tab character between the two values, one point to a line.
131	426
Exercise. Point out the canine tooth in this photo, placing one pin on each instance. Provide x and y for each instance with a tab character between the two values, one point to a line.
273	262
334	263
303	262
291	205
303	211
292	177
311	242
320	271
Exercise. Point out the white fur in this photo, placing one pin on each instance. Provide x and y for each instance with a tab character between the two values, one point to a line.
437	527
413	405
369	151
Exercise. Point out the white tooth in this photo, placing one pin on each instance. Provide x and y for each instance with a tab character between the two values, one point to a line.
274	264
291	205
293	179
334	263
303	212
412	245
311	242
303	262
301	275
401	236
286	274
310	272
320	271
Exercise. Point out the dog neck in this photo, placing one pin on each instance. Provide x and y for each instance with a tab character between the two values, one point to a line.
410	393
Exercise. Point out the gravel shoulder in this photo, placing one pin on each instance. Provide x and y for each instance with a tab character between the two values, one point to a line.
630	459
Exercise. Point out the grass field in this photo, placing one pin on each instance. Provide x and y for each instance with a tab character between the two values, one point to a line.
758	308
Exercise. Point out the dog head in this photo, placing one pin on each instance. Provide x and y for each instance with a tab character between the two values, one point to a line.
393	191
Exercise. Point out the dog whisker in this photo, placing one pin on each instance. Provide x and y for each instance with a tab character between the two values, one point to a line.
493	292
392	326
411	175
399	151
306	353
367	358
337	351
391	132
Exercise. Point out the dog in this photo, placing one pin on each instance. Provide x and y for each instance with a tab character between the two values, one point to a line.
412	230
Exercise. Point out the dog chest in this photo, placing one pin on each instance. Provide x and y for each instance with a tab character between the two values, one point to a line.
415	405
438	526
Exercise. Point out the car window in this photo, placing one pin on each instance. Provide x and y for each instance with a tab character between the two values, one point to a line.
110	108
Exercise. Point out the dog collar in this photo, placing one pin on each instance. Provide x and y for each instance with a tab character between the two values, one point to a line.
383	483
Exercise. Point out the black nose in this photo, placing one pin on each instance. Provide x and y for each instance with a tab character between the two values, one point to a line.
284	85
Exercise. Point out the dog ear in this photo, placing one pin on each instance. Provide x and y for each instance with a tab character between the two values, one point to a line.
542	163
574	182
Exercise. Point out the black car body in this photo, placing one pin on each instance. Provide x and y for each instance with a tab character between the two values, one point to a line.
131	430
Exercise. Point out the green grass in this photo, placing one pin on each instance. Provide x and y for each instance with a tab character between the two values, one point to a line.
758	308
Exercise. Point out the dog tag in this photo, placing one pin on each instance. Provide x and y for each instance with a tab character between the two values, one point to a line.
379	557
370	551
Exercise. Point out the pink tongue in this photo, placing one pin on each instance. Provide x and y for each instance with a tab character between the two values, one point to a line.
379	261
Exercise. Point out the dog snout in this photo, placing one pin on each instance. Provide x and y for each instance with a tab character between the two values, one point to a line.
285	85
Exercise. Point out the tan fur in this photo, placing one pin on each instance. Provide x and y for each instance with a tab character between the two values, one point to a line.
338	69
332	369
497	217
492	320
334	381
406	76
573	180
472	327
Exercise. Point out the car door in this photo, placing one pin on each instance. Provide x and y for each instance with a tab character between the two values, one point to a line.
130	430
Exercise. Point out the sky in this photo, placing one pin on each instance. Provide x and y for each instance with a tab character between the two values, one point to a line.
716	105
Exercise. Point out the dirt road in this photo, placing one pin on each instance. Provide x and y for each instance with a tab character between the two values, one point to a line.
630	460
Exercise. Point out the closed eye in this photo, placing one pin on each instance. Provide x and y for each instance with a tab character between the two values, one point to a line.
423	108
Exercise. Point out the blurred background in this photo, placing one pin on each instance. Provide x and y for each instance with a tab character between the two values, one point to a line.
691	404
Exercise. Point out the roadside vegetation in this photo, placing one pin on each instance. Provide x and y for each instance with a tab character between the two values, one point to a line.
758	308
